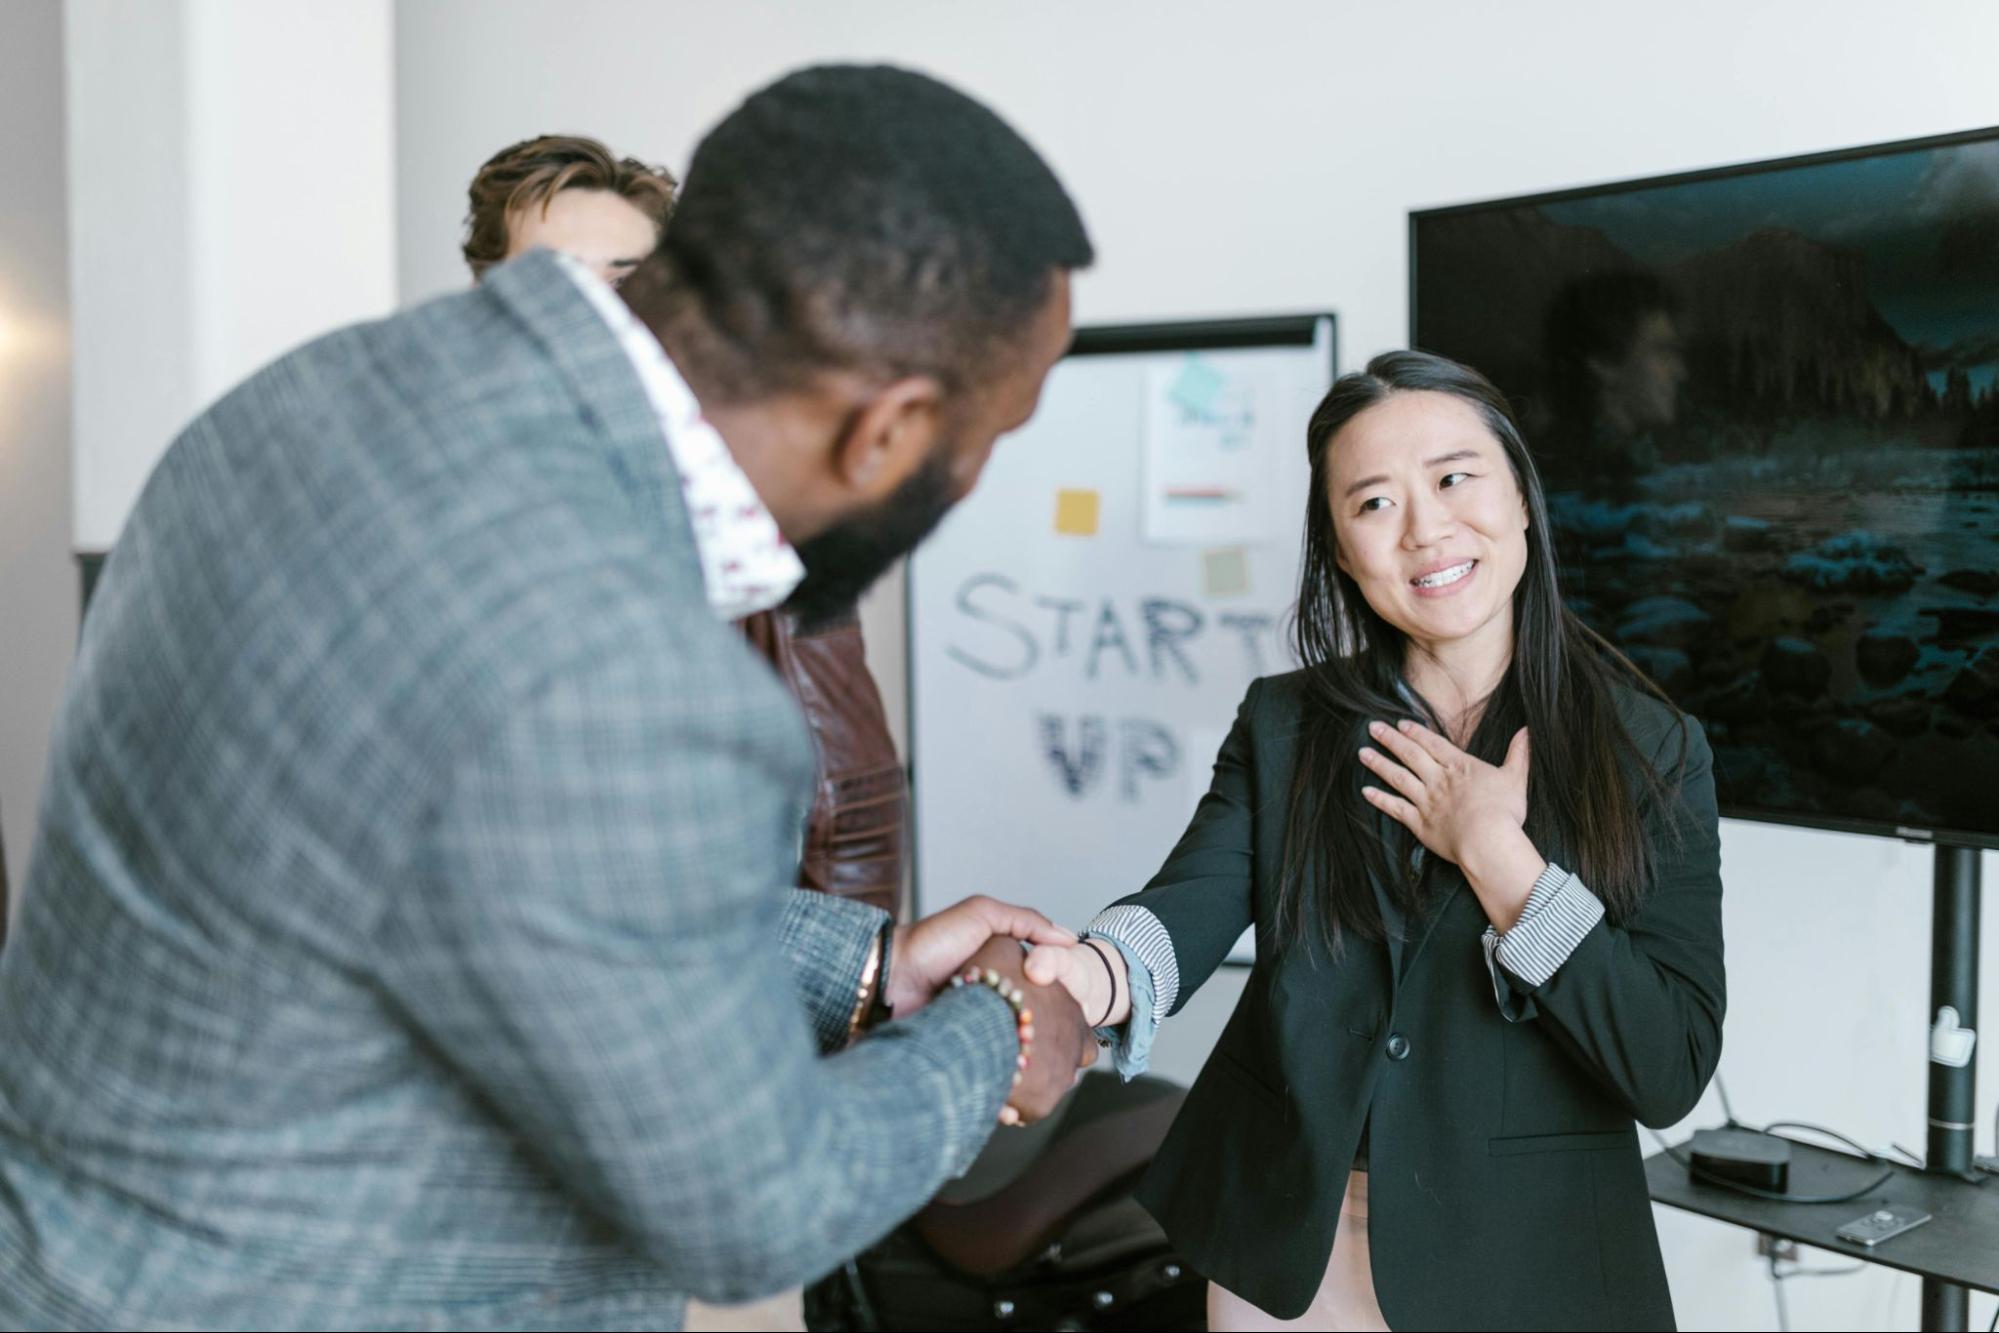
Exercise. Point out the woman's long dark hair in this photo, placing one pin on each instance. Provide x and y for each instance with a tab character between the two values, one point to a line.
1561	686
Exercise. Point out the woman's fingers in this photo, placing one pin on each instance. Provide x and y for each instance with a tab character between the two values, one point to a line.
1413	756
1046	965
1393	805
1392	773
1076	969
1437	747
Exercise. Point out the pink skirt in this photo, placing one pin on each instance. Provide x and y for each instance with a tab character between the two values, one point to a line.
1346	1293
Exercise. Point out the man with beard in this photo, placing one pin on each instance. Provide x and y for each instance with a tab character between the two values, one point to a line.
573	195
405	943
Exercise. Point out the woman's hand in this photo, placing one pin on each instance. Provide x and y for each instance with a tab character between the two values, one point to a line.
1102	992
1461	808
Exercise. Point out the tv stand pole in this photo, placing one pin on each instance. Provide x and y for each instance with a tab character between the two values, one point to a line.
1952	1100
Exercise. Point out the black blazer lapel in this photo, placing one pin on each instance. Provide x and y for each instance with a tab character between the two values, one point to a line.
1392	918
1391	915
1456	885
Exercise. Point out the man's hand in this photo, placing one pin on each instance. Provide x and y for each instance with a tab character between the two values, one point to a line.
1061	1047
926	953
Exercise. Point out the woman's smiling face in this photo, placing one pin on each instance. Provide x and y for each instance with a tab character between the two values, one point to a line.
1428	518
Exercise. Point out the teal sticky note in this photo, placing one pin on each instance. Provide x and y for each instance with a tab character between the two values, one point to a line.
1197	385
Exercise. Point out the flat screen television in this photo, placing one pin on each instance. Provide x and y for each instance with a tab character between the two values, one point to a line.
1765	404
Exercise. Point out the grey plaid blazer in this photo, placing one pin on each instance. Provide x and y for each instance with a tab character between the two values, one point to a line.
404	945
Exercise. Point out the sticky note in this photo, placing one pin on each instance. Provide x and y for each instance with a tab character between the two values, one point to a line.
1225	572
1076	513
1197	385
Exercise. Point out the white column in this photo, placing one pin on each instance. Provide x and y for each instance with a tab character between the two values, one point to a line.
231	185
130	300
38	584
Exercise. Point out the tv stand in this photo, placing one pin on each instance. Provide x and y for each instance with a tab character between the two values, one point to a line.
1953	1099
1956	1252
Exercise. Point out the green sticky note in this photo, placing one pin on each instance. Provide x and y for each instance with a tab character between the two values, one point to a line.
1225	572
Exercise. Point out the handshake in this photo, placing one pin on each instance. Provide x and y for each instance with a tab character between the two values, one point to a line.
1069	986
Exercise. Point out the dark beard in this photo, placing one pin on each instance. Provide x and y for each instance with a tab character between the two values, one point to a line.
844	561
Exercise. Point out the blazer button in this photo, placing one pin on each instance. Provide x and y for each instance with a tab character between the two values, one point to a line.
1398	1046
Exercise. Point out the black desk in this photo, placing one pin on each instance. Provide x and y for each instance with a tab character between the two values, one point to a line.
1959	1245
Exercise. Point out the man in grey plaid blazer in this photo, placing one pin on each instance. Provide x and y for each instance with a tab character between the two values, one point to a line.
404	944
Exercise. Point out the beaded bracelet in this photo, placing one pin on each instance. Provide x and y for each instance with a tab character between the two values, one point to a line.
1023	1017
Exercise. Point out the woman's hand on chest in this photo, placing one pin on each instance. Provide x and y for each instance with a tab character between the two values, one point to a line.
1471	813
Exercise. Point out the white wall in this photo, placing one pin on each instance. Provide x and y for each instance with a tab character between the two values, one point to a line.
1262	156
38	580
232	187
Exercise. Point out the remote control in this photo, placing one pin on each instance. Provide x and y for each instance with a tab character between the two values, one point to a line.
1882	1224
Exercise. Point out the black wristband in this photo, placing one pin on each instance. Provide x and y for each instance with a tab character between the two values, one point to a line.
1110	972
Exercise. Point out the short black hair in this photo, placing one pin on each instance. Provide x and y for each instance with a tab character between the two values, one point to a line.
857	217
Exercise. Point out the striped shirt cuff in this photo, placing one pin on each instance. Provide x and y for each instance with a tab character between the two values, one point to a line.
1144	935
1131	1041
1559	912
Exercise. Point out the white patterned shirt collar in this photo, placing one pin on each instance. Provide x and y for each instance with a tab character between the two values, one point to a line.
746	564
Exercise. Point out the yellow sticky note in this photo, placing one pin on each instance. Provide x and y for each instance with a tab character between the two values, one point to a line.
1076	513
1225	572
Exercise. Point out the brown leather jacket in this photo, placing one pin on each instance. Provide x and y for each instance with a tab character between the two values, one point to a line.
854	839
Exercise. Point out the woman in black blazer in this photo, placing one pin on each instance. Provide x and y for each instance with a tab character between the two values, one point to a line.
1480	854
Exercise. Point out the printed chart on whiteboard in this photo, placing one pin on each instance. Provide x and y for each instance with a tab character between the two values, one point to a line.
1083	627
1214	452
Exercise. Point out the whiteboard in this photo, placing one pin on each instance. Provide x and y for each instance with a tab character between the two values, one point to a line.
1075	662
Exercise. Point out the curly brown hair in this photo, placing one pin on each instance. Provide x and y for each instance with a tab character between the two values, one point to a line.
535	170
